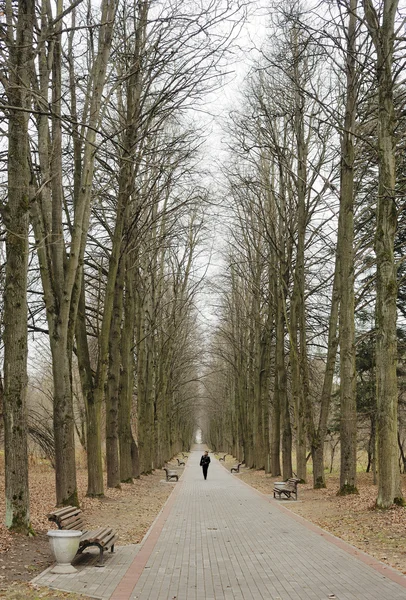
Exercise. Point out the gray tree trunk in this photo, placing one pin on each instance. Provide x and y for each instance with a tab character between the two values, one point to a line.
317	442
389	486
345	245
282	388
300	380
127	381
16	218
113	386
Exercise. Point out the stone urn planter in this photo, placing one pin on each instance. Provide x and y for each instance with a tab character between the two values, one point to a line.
64	545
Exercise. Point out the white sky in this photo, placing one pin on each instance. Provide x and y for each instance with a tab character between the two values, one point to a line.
218	105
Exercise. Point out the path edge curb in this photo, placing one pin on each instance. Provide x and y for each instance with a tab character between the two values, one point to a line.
125	587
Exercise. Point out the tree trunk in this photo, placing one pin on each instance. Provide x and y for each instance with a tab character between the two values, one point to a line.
96	397
113	386
16	218
65	468
127	381
264	387
282	388
297	394
389	486
125	189
298	321
402	452
135	459
275	436
317	442
145	404
258	439
348	410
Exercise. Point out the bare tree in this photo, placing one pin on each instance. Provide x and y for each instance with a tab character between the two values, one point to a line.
61	272
345	264
381	27
18	38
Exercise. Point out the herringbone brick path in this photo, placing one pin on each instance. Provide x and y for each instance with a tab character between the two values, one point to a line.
221	540
224	541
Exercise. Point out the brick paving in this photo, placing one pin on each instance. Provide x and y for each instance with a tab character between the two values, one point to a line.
221	540
92	581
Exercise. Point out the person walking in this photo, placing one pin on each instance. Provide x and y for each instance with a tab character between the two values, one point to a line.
204	463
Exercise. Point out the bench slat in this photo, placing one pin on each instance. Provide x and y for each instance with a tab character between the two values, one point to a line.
97	534
67	518
79	524
105	541
108	536
70	520
60	512
108	540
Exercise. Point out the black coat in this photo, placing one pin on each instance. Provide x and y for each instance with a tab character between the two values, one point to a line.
205	461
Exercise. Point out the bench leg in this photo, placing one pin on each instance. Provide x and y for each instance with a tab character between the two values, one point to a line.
100	562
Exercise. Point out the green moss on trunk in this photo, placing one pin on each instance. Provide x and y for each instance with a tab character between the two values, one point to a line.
347	490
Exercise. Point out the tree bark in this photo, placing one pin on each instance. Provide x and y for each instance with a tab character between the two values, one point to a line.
65	468
282	387
16	218
345	246
127	379
317	442
113	385
300	383
389	486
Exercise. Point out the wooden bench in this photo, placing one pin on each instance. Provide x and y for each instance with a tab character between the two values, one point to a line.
287	488
180	462
171	474
223	458
236	468
71	517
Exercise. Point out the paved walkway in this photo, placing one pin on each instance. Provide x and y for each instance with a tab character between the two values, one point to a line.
221	540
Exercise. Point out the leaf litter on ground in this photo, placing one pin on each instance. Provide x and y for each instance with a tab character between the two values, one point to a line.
130	510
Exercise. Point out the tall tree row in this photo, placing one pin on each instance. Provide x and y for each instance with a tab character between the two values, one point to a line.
103	196
103	163
318	118
280	158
